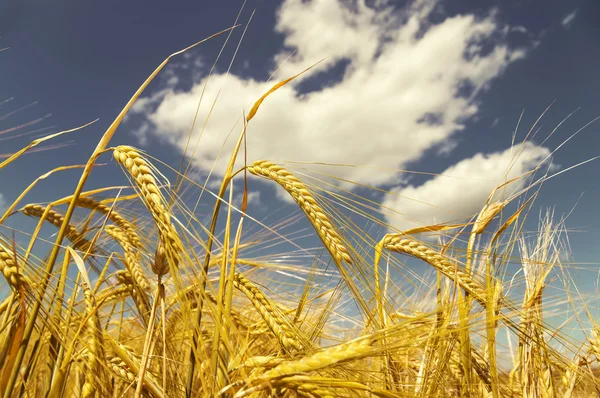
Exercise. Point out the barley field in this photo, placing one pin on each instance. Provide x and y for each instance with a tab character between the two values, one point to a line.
142	292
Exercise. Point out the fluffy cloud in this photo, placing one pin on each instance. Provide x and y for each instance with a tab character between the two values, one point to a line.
409	85
462	189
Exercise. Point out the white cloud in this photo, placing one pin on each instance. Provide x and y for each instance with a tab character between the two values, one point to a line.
567	21
462	189
2	203
399	95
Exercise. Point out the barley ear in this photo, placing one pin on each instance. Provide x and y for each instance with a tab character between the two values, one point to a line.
298	191
141	172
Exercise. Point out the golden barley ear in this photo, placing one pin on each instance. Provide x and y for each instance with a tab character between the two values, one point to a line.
280	326
10	270
315	213
400	244
140	170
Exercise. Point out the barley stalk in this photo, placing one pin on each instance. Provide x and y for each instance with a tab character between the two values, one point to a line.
594	341
11	272
315	386
95	378
57	219
190	293
132	362
325	358
262	362
400	244
322	359
138	168
320	221
276	322
114	293
127	228
131	256
139	296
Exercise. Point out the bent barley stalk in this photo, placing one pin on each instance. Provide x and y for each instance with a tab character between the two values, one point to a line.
114	293
133	364
57	219
314	386
139	296
322	359
400	244
298	191
276	322
327	357
114	216
189	294
132	258
11	372
138	168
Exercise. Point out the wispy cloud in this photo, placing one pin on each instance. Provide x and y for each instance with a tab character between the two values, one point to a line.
568	20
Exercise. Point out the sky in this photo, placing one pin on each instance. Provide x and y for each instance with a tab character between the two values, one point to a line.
434	87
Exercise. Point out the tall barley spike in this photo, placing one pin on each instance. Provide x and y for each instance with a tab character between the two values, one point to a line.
95	384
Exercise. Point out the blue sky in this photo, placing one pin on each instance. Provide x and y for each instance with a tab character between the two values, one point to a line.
428	86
